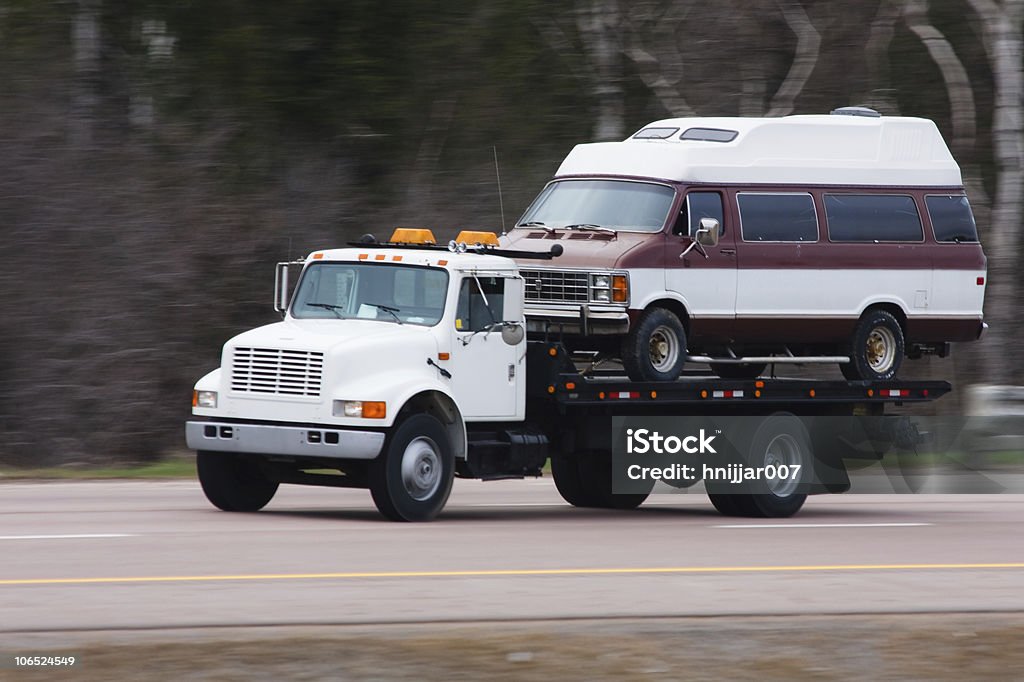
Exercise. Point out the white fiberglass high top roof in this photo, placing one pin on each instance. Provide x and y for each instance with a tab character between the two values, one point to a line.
804	150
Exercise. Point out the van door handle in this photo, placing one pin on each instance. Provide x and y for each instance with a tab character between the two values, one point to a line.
727	252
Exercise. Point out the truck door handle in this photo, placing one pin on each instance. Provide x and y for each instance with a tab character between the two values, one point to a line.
727	252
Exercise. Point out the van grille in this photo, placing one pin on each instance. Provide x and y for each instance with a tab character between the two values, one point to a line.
557	285
277	371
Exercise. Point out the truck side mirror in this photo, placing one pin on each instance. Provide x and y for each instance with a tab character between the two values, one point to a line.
282	289
512	333
514	292
708	232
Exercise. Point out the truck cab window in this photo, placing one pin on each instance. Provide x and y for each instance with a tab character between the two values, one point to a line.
481	303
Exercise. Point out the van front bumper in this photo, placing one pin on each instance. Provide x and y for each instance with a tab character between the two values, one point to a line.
272	439
586	319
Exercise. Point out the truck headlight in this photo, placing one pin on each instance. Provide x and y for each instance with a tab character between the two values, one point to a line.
360	409
204	398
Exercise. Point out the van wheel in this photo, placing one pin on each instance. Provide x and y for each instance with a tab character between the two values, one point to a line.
232	482
412	478
655	348
744	371
876	349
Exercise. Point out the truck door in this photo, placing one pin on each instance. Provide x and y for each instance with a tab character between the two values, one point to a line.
706	285
486	371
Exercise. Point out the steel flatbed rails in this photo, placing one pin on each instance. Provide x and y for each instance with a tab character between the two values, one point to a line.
554	378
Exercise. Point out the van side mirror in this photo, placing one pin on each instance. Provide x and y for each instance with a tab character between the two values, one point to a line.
708	232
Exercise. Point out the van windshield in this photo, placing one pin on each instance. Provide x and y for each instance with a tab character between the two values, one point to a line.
361	291
609	204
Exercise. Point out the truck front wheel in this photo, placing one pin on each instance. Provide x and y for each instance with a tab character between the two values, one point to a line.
233	483
412	478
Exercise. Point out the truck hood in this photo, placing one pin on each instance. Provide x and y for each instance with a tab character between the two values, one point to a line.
335	335
580	249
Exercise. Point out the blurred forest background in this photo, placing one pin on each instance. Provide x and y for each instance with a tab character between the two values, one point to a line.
158	157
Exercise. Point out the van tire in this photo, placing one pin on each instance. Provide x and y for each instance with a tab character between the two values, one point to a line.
744	371
876	348
412	478
655	348
232	482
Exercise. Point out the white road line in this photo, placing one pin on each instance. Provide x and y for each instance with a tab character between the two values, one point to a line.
87	536
823	525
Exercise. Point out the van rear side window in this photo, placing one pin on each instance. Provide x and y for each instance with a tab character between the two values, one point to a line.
777	217
952	220
872	218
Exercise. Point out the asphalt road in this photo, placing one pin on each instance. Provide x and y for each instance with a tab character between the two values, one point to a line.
84	556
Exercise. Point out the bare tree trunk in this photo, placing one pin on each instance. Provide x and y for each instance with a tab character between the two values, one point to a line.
650	45
598	25
880	97
1002	32
808	42
86	42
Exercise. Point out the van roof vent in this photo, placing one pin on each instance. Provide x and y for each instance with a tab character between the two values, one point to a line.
856	111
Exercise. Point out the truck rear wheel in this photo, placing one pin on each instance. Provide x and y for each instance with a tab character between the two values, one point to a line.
780	449
412	478
569	483
584	479
655	348
876	348
232	482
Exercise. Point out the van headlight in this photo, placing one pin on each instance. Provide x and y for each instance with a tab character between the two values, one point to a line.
605	288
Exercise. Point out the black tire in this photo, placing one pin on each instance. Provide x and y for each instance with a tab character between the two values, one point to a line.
233	482
596	475
566	473
655	348
876	348
584	479
750	370
778	440
412	478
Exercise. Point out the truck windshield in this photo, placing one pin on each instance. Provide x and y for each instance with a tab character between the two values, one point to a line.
613	204
360	291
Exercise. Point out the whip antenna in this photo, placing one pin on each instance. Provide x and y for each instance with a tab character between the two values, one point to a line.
501	203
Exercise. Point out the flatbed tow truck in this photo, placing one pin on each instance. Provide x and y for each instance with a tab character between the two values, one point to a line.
400	366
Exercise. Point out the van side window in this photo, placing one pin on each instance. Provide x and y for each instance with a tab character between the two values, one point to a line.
872	218
952	220
777	217
700	205
473	313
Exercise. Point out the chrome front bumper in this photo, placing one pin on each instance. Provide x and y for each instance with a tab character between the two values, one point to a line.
577	319
269	439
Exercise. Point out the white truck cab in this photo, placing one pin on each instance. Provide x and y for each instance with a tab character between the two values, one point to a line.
369	335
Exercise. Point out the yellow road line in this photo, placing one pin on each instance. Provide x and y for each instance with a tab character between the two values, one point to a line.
504	572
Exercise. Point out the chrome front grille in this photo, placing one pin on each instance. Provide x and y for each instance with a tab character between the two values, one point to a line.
274	371
560	286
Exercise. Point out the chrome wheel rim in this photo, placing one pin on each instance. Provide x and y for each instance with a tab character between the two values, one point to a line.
421	468
881	350
783	450
663	349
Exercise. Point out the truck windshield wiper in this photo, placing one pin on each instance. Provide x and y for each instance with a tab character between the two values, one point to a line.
388	309
590	226
329	306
